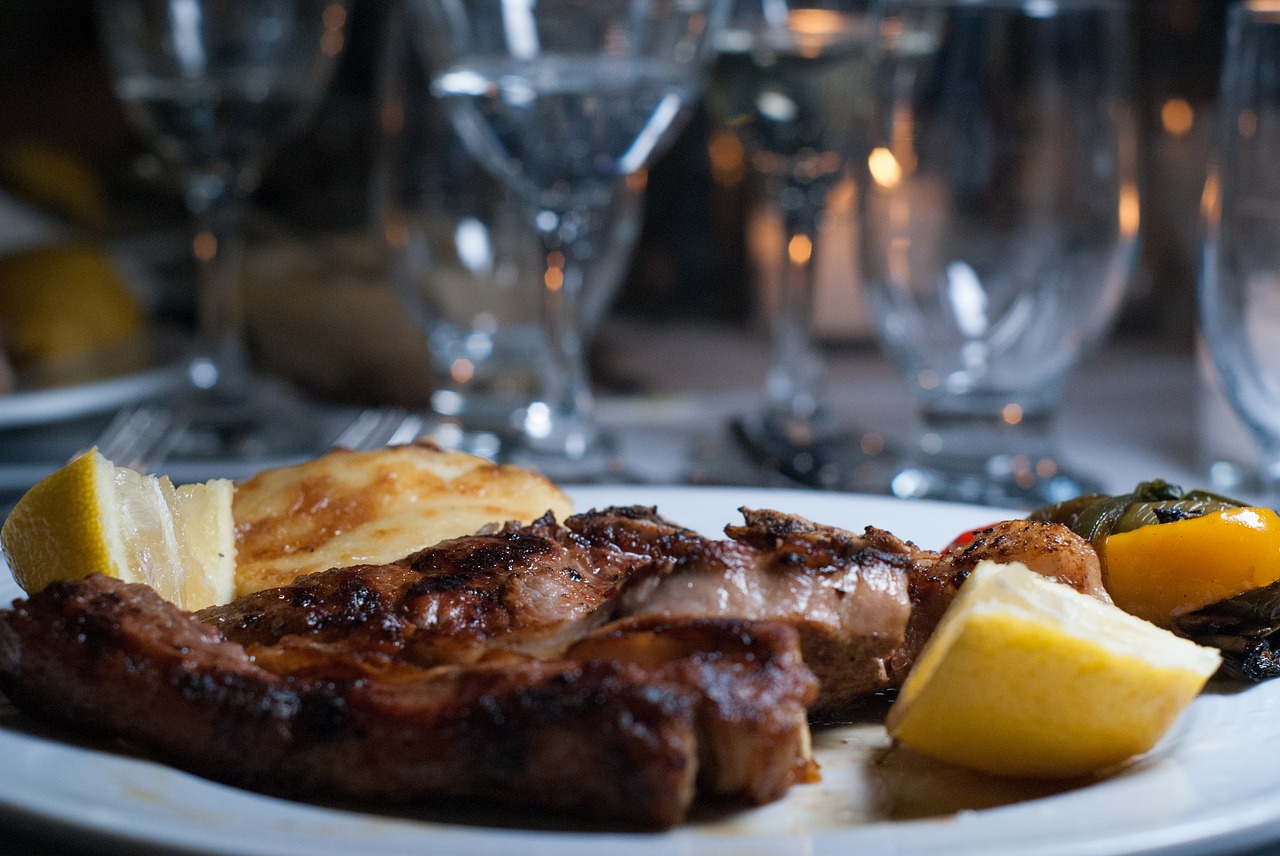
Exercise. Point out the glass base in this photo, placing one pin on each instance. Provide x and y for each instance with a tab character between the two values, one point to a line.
818	455
597	463
268	422
1003	481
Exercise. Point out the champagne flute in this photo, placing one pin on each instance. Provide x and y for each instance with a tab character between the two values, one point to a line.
999	227
793	80
1239	287
215	86
564	100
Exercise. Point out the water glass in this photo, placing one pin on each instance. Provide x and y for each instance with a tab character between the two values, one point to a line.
464	263
1240	271
1000	216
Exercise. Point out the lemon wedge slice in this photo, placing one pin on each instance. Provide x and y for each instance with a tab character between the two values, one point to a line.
64	301
1028	677
92	516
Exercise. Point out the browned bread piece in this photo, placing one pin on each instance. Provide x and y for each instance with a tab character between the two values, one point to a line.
373	507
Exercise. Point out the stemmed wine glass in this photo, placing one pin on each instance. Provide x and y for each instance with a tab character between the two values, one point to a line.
215	86
563	100
793	80
1239	285
999	223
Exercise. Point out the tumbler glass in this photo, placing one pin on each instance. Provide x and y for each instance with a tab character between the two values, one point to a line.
999	225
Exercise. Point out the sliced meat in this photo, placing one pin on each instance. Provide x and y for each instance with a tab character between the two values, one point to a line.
752	708
847	595
624	729
531	589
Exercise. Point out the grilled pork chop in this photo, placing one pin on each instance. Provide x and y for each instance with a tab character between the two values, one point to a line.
625	728
536	588
614	664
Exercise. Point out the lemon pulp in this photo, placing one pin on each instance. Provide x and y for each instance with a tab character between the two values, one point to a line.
93	517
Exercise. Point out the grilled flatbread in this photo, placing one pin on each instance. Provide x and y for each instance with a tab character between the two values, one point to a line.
375	507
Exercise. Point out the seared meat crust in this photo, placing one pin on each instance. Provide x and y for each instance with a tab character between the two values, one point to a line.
613	664
622	732
846	594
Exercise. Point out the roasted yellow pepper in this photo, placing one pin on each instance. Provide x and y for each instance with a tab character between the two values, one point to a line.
1156	571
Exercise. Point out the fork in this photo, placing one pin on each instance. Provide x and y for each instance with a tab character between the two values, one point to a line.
380	426
141	437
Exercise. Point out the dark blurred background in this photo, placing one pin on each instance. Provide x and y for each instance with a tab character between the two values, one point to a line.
56	107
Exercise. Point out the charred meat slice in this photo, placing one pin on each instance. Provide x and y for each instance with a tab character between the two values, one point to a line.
752	702
535	589
532	589
846	594
615	732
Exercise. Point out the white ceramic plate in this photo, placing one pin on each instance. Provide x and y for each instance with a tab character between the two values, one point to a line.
1212	785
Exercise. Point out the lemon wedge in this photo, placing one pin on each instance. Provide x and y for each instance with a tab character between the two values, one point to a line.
62	301
1028	677
92	516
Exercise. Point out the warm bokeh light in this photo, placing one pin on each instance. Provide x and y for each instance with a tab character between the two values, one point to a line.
462	370
800	249
728	162
553	279
333	38
1011	413
884	167
814	29
637	181
205	246
1211	199
1177	116
1130	210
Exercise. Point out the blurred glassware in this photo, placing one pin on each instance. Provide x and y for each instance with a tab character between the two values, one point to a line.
215	86
792	80
563	100
1240	267
1000	222
465	264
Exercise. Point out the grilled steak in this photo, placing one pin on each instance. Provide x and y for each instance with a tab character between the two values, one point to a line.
624	730
846	595
616	664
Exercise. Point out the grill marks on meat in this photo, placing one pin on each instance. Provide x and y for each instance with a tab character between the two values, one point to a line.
614	664
623	729
846	595
530	590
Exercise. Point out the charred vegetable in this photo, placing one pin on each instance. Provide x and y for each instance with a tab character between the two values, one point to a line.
1159	571
1208	581
1246	628
1096	517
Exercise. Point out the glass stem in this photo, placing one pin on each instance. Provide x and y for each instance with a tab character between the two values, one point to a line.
221	365
792	386
562	423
